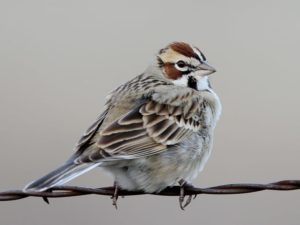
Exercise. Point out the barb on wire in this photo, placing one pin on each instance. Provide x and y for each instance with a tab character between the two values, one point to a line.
70	191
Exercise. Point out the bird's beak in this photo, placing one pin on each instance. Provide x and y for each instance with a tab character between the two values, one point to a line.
205	69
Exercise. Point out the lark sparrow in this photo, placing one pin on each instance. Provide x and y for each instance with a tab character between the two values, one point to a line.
155	131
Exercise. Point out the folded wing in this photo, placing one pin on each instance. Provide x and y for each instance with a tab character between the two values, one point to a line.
146	130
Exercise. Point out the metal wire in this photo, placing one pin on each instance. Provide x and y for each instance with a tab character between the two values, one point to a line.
70	191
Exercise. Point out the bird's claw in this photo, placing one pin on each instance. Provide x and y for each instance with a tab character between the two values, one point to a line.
182	202
46	200
115	196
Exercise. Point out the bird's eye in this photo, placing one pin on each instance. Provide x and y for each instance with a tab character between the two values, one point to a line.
180	64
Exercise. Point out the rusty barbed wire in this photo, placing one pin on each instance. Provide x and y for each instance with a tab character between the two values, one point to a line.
71	191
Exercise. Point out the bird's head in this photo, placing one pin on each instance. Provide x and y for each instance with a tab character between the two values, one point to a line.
185	65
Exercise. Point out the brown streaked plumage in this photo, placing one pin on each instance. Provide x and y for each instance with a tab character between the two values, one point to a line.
156	130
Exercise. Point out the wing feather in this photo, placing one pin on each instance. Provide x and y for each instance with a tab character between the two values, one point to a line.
91	131
147	129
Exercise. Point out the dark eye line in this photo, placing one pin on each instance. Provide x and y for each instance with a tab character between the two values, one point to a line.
191	66
186	72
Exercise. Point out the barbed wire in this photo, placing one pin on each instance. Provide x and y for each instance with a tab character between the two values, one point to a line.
71	191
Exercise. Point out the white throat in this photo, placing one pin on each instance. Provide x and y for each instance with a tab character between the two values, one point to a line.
182	81
202	82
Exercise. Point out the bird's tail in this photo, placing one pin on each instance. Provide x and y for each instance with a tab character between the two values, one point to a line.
61	175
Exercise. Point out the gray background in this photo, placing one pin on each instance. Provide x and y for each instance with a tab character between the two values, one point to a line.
59	59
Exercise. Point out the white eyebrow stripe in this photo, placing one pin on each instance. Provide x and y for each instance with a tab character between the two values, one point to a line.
198	53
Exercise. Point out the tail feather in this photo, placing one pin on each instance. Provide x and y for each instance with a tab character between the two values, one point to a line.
59	176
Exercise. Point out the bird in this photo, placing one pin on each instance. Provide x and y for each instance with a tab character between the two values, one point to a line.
155	131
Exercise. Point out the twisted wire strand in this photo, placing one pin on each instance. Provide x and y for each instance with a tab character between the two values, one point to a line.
71	191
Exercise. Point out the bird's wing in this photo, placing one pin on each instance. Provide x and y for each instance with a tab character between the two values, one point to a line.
164	119
84	141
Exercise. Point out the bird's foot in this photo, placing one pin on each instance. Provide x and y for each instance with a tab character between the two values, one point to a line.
45	199
182	202
115	196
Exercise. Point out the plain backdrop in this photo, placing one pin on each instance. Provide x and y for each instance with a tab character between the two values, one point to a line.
60	58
